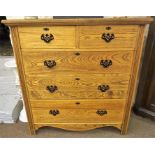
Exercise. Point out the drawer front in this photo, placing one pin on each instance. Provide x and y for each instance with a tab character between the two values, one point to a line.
53	115
47	62
108	37
78	86
39	37
79	104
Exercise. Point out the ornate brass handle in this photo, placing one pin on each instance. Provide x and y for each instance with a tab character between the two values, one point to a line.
105	63
52	89
47	37
54	112
108	37
103	88
101	112
50	63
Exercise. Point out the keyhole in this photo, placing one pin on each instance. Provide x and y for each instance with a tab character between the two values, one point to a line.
46	29
108	28
77	53
77	78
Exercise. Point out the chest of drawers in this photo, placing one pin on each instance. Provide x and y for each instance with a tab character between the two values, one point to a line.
78	74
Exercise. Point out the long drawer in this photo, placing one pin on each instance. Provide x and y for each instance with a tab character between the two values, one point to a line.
54	115
79	104
45	62
47	37
112	37
77	86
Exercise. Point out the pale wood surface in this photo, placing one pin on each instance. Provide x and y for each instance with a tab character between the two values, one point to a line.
83	83
89	37
113	116
85	62
84	104
45	95
70	88
30	37
79	36
21	73
85	21
125	37
133	79
77	127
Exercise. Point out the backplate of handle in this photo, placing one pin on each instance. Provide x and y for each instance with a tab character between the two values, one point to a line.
106	63
103	88
108	37
50	63
101	112
47	37
54	112
52	88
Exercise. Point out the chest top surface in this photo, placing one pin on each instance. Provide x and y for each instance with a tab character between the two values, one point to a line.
80	21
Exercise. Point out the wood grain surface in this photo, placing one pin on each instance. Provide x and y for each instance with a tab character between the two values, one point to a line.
78	82
21	73
91	37
79	21
77	127
79	104
30	37
133	79
78	116
70	88
85	62
77	50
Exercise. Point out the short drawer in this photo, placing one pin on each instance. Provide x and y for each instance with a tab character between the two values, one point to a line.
51	37
108	37
78	86
47	62
53	115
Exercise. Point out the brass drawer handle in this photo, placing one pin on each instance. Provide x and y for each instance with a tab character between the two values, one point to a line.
103	88
47	37
106	63
108	37
51	88
50	63
54	112
101	112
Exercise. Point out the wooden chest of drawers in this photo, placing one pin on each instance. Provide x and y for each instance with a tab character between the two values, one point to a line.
78	74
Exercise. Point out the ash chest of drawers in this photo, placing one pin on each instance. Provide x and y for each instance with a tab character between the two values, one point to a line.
78	74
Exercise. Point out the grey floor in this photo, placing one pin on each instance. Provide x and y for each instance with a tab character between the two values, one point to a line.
9	92
5	48
139	128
